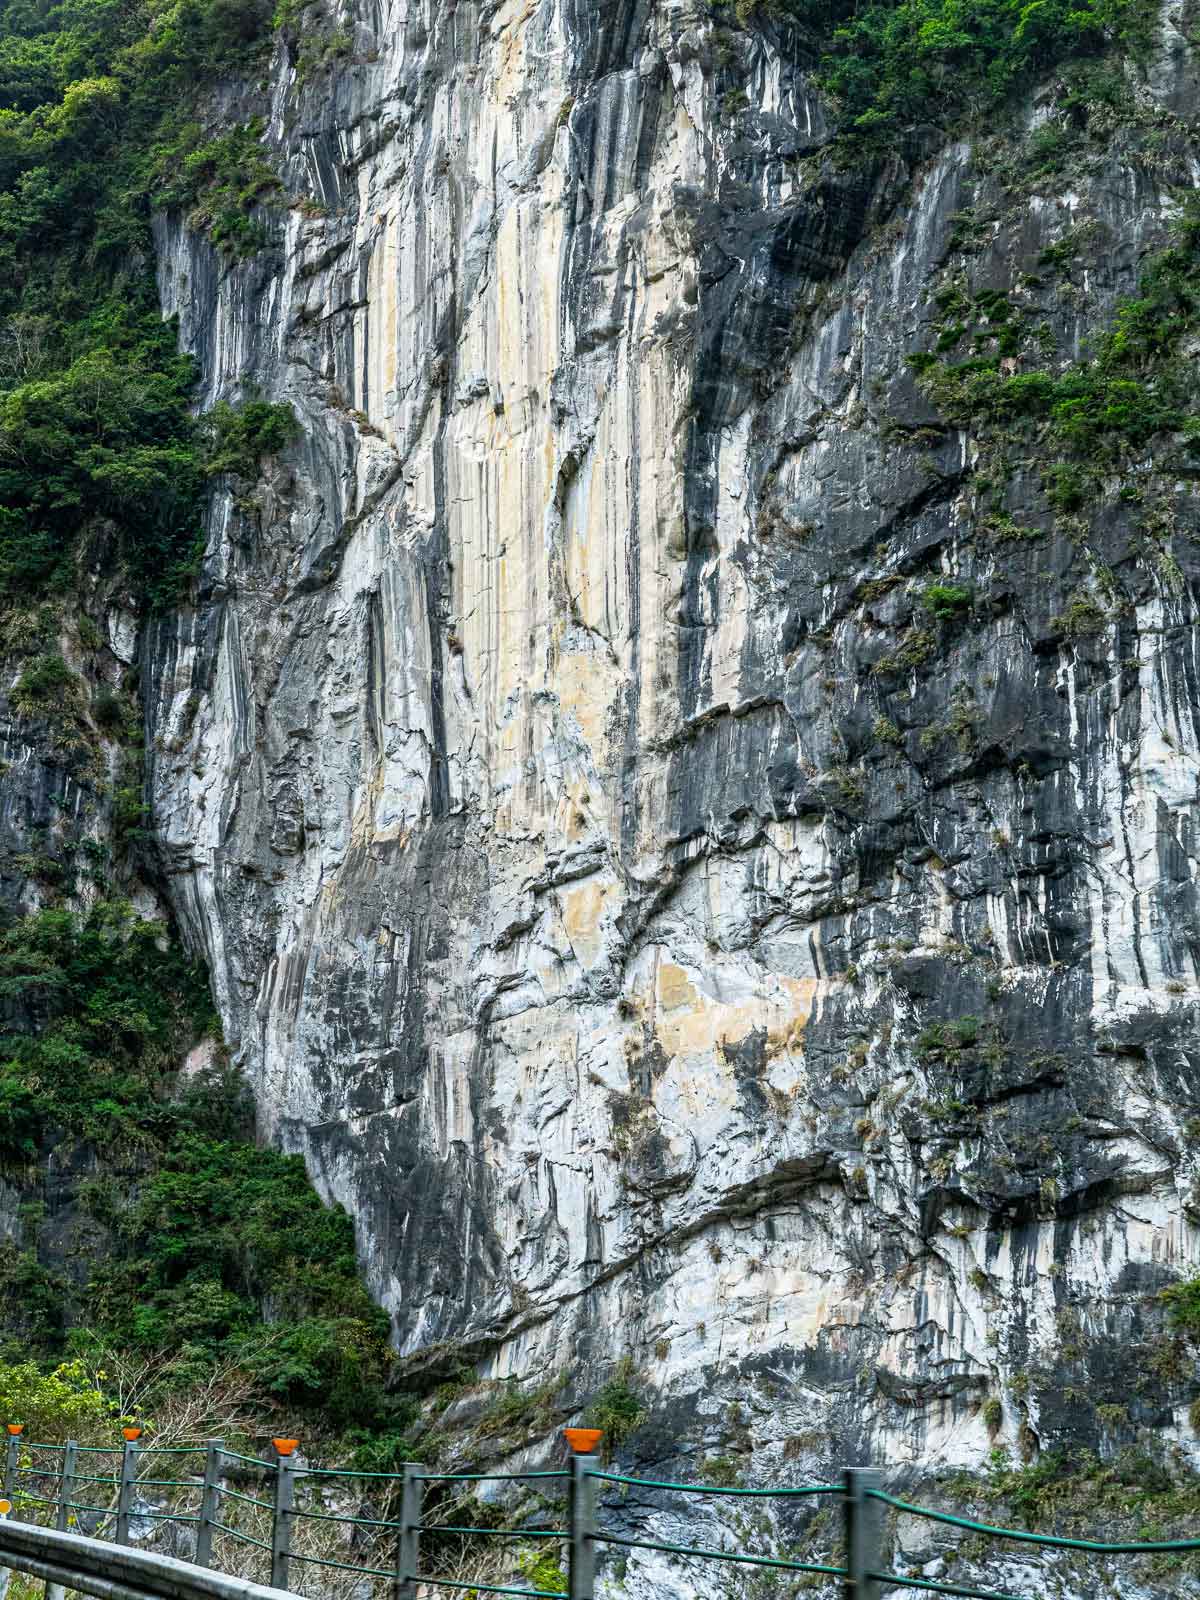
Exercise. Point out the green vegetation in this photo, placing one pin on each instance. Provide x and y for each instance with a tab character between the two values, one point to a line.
104	1013
1083	618
1072	1491
917	647
1183	1306
209	1231
891	68
515	1408
97	127
46	682
946	601
617	1408
1134	384
542	1570
106	435
720	1471
219	181
239	436
947	1037
222	1230
207	1234
51	1404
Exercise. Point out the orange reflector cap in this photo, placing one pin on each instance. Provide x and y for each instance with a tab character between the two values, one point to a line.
583	1440
285	1446
5	1507
15	1428
132	1433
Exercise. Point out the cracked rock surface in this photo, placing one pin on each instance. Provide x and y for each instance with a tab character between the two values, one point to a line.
665	933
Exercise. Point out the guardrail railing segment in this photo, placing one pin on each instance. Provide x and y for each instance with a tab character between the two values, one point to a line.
861	1497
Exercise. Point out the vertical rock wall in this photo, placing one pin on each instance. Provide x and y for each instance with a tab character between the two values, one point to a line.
660	930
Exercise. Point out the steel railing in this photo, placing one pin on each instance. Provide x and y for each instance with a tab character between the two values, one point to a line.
108	1571
863	1502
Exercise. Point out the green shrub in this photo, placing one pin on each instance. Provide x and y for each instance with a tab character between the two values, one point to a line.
239	436
947	601
721	1471
62	1403
386	1445
96	1010
1066	486
44	681
108	435
617	1408
939	1037
221	182
542	1570
1083	618
1182	1301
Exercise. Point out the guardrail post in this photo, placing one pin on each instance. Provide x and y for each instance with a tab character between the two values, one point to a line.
125	1494
864	1533
62	1512
581	1566
408	1545
12	1464
281	1525
210	1503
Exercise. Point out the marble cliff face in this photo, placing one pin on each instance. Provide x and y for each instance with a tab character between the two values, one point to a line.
666	934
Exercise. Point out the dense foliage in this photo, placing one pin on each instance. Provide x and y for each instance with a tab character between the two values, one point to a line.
97	125
95	1011
209	1232
895	66
51	1404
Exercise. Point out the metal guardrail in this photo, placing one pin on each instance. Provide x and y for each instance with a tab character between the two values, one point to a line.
46	1553
113	1572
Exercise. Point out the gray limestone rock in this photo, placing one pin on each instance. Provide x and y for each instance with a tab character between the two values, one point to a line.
662	934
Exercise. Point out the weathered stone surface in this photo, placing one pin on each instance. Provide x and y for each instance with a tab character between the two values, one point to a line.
520	769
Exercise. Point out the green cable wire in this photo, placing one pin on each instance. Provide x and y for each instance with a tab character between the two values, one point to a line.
173	1449
82	1505
495	1533
494	1588
255	1461
479	1477
263	1505
697	1488
83	1477
165	1516
342	1566
719	1555
357	1522
165	1483
1034	1538
941	1588
244	1537
342	1472
92	1449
